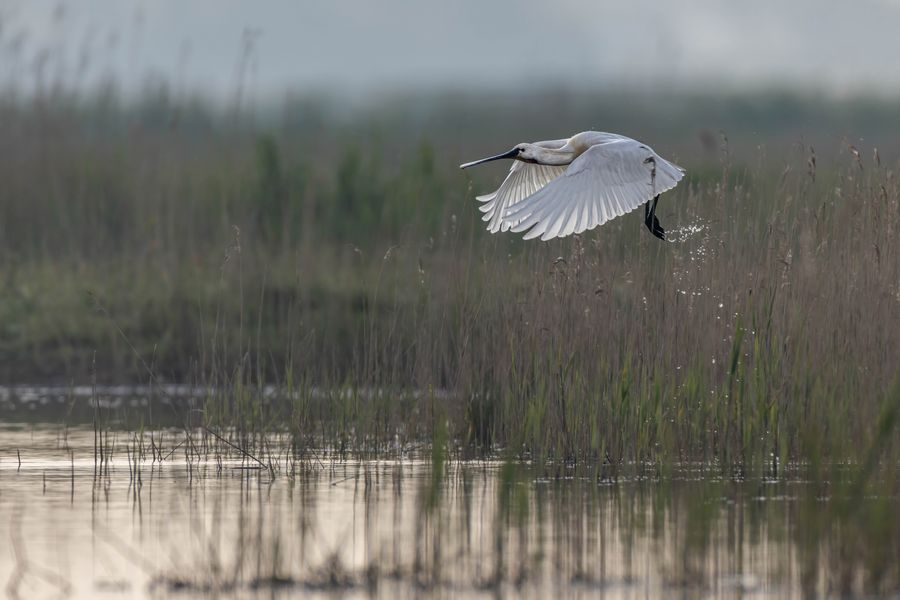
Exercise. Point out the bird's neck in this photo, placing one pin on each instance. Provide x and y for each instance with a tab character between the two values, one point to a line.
553	157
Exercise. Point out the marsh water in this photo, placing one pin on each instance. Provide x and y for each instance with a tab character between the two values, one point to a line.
128	512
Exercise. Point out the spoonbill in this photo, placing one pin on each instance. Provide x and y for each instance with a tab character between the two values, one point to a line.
559	187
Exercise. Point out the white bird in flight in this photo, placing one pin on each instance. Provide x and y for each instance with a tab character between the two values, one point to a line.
560	187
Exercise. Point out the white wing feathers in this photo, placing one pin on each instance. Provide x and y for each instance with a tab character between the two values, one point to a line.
523	180
606	181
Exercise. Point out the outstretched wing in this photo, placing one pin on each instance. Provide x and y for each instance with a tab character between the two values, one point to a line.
523	180
606	181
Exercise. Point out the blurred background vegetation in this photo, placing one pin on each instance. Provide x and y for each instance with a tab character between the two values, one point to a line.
122	223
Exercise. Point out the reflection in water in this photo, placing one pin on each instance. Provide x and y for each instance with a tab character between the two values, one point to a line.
205	520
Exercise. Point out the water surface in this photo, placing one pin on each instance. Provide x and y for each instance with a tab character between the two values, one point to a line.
187	513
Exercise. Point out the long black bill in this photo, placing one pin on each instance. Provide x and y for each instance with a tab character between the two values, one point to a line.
511	154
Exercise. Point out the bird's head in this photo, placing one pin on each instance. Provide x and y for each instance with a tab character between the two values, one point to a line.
527	152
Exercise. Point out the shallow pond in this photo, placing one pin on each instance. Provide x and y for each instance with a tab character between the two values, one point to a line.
137	513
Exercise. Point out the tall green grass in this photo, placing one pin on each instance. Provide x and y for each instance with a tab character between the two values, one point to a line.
354	275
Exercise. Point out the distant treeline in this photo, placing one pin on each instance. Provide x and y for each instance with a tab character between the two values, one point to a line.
456	121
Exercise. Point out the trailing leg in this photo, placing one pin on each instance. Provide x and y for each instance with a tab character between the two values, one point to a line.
651	221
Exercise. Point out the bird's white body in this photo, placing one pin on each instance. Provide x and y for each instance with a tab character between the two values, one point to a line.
559	187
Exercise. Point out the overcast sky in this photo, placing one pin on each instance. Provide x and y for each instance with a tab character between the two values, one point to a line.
354	46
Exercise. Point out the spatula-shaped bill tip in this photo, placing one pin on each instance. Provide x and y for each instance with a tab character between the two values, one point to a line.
511	154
